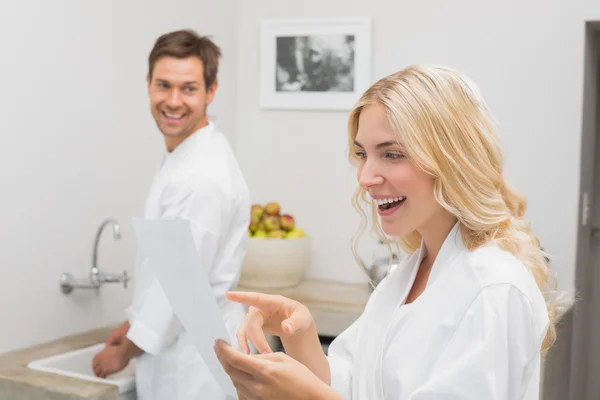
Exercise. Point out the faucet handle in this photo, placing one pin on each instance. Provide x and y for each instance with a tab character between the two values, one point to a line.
125	279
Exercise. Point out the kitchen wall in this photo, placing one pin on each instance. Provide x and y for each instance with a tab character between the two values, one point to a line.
79	144
527	57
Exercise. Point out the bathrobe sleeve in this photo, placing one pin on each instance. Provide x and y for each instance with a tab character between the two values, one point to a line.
200	201
493	354
341	359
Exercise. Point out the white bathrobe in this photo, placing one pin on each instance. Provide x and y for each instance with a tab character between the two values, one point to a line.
199	181
475	333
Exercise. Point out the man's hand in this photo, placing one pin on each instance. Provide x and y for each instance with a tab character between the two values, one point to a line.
118	335
110	360
115	357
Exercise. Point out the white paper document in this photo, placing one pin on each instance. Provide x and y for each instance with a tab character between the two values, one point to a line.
169	247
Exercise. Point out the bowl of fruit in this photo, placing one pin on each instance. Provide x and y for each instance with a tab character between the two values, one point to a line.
277	251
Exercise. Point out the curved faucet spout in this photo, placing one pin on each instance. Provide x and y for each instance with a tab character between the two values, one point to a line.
96	278
116	235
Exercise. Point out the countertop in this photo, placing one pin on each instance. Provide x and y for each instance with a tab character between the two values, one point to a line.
17	381
334	305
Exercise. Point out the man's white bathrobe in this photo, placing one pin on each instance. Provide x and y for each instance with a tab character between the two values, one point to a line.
200	181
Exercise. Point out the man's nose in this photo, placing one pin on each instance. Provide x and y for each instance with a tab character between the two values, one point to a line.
174	98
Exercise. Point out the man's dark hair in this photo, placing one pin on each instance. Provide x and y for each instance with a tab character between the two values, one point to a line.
187	43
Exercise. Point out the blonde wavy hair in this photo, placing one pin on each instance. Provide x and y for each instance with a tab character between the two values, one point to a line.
446	129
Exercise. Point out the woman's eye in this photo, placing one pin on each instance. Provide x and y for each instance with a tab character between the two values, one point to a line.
361	154
394	156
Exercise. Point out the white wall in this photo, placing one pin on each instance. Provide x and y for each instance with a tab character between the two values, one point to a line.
79	144
527	57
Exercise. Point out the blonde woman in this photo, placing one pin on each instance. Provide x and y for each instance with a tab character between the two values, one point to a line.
464	316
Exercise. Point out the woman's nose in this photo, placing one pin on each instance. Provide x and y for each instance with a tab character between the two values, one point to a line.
368	176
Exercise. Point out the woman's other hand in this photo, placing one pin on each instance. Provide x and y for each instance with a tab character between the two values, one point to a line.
271	376
269	314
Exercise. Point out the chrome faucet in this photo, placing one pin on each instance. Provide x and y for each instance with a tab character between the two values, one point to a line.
381	267
96	278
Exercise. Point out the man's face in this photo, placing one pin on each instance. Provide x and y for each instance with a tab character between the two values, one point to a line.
178	96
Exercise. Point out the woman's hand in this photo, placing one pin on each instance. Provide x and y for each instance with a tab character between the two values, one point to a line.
271	376
270	314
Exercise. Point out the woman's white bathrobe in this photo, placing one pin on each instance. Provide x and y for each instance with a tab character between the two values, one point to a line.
475	333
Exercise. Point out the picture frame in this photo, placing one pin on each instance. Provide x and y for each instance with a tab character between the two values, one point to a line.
314	64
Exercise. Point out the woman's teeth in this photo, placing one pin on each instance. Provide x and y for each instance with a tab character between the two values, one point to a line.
381	202
393	202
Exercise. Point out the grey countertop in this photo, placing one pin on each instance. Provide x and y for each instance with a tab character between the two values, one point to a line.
334	305
17	381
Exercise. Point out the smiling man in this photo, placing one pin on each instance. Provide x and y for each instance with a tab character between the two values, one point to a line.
198	180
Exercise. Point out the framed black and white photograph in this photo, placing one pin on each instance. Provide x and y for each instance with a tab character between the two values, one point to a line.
314	64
